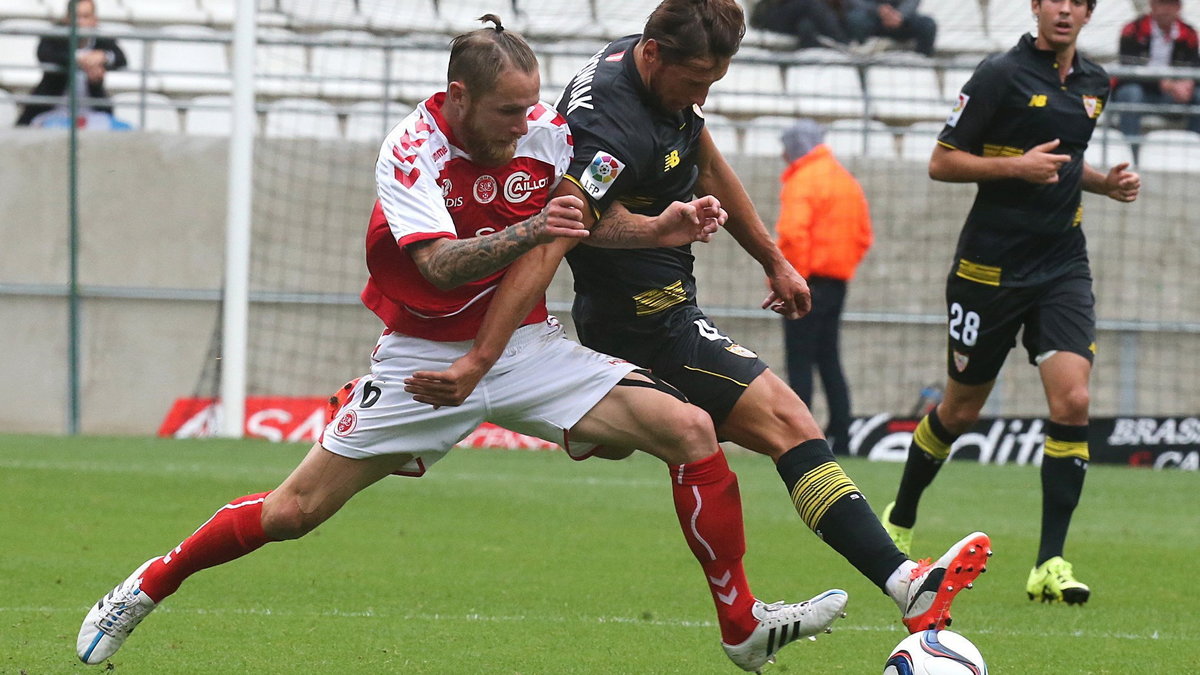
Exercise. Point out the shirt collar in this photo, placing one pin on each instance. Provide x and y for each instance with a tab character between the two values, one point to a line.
1029	44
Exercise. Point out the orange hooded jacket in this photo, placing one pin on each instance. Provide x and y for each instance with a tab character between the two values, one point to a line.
824	225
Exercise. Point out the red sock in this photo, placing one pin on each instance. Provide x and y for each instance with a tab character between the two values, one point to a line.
710	513
233	531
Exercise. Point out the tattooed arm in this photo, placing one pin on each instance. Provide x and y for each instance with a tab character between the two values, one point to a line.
450	263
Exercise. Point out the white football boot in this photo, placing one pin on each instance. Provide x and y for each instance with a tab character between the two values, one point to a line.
780	623
112	619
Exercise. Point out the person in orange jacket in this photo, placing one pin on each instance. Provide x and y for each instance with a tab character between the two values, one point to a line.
824	230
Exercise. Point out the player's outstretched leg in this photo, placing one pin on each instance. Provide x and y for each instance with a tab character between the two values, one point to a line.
780	623
233	531
925	596
113	618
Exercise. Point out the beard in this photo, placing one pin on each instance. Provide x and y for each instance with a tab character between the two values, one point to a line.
488	152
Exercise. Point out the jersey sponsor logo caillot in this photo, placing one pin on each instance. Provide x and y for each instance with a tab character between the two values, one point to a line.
520	185
485	189
601	173
959	107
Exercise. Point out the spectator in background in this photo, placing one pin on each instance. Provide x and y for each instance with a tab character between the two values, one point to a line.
895	19
824	229
814	23
95	57
1159	38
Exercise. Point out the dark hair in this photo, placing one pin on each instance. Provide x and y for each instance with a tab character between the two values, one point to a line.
1090	3
691	29
478	57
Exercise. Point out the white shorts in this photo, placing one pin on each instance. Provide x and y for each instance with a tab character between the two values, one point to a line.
542	385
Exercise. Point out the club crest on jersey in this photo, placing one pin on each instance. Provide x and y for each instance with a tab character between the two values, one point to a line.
741	351
485	189
346	423
960	360
1093	105
959	107
520	185
601	173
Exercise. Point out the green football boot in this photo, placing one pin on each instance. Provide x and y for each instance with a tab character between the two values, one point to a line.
1053	581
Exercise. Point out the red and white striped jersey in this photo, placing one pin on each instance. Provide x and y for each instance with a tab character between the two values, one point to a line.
428	188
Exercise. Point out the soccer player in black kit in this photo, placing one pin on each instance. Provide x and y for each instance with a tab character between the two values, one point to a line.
641	150
1019	130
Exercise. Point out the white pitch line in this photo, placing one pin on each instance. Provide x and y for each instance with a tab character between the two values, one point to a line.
674	623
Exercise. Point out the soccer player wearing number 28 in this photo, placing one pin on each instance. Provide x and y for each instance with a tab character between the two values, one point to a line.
1019	130
464	186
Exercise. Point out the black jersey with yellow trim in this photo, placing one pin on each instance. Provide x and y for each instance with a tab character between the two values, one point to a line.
628	149
1023	233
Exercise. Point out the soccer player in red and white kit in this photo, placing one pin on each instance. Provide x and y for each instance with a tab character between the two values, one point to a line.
464	186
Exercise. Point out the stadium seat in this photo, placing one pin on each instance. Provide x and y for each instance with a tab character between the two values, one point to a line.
1101	37
763	137
560	68
315	14
623	17
365	120
282	69
1008	21
8	110
1107	148
953	78
418	73
189	67
861	138
416	16
160	11
724	133
209	116
768	40
1170	150
18	53
917	140
348	71
960	25
819	89
302	118
904	86
221	13
751	88
25	9
161	113
558	20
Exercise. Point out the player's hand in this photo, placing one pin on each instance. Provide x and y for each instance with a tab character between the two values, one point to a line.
562	217
789	296
1121	184
1040	165
688	222
448	387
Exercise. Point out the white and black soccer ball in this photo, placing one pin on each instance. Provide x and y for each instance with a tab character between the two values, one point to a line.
935	652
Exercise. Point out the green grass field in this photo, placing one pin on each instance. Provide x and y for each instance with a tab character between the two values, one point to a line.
526	562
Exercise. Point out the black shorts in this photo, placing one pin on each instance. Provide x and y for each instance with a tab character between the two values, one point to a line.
690	353
1058	315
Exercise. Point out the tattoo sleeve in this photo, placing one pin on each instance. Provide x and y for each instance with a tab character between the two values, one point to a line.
450	263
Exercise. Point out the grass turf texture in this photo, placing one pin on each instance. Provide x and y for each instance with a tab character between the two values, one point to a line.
526	562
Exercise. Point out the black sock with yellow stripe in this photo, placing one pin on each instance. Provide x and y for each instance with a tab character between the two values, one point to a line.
1064	466
928	451
832	506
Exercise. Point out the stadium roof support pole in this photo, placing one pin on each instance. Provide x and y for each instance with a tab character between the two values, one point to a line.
235	308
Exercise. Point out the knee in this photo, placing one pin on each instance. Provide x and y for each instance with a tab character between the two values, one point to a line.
957	418
283	518
688	435
1071	406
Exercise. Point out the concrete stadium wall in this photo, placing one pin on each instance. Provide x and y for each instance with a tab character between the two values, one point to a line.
153	217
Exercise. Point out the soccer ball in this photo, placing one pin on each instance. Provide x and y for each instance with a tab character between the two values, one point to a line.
935	652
